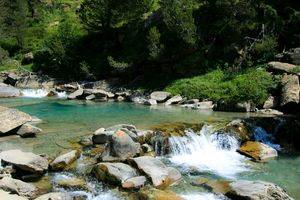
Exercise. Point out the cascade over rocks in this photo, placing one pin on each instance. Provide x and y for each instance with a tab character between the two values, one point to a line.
161	175
257	151
55	196
25	161
64	161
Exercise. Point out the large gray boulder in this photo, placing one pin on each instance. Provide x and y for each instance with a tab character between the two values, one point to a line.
11	119
8	196
160	96
256	190
8	91
281	67
77	94
18	187
25	161
64	161
174	100
55	196
161	175
115	173
28	130
290	90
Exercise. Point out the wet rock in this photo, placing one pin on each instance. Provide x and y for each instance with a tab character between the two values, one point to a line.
281	67
217	186
290	92
86	141
55	196
256	190
160	175
18	187
239	129
147	148
34	81
115	173
270	103
204	105
90	97
144	136
135	182
123	146
11	79
257	151
244	107
137	98
122	126
120	98
7	196
64	161
150	102
160	96
11	119
155	194
100	136
73	183
27	130
100	94
25	161
8	91
269	112
77	94
67	88
174	100
191	101
52	93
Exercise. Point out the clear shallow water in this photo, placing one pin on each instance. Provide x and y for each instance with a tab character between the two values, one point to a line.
64	121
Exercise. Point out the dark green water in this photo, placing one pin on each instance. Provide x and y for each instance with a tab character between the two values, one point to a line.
65	121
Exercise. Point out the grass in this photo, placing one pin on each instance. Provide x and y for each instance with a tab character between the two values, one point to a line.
296	69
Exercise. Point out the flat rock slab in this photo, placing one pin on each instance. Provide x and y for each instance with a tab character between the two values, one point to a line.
7	196
28	162
11	119
8	91
161	175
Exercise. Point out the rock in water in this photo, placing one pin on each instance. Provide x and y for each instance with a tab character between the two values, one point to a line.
18	187
135	182
115	173
8	91
27	130
160	96
150	102
174	100
64	161
28	162
7	196
77	94
257	150
11	119
160	175
55	196
290	91
256	190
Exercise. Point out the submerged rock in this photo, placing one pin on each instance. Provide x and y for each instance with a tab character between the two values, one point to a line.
64	161
256	190
161	175
25	161
18	187
8	91
55	196
160	96
11	119
115	173
28	130
257	151
7	196
174	100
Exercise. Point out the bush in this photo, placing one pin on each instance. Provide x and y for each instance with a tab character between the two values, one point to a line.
217	86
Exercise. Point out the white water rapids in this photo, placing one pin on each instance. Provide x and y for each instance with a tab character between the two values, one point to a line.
208	152
40	93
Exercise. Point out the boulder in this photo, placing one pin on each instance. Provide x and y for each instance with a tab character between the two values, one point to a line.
204	105
281	67
160	96
155	194
25	161
67	88
11	119
11	79
18	187
191	101
160	175
243	107
291	56
290	91
55	196
135	182
77	94
8	91
240	130
256	190
90	97
150	102
270	103
72	183
99	94
28	130
64	161
115	173
7	196
174	100
257	151
100	136
137	98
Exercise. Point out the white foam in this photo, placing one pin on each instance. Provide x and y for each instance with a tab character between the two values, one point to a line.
40	93
202	196
208	152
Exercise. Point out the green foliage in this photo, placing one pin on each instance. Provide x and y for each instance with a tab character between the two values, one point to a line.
265	50
219	86
296	69
154	46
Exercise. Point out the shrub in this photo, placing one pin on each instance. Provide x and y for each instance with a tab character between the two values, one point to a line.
217	85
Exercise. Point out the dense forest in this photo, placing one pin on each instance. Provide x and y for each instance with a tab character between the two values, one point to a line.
145	40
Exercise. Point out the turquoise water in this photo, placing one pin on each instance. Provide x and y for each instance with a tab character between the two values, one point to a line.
65	121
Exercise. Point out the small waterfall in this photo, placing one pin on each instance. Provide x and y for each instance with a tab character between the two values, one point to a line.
208	152
263	136
40	93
